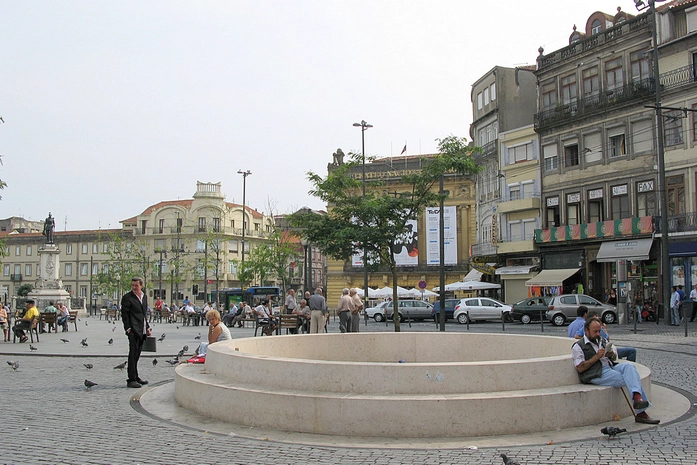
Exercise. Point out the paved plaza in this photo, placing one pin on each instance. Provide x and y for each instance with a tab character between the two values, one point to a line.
51	418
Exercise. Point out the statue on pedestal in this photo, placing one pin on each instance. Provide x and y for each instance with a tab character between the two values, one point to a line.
49	226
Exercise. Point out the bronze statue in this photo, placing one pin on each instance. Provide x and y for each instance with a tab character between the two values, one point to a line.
338	157
49	226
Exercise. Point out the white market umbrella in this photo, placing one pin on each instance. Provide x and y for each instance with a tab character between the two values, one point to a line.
418	293
471	286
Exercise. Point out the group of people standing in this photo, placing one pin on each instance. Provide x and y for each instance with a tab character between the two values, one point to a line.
677	301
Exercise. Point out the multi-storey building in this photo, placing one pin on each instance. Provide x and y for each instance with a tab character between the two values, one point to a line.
598	143
503	100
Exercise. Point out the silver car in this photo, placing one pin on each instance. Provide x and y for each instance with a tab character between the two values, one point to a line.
412	309
562	308
481	308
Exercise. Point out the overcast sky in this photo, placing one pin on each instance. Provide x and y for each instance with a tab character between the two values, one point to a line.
111	106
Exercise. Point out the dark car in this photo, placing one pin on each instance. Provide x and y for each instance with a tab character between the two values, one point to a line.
530	309
449	309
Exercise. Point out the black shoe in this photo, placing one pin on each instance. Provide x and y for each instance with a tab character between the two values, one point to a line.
141	381
134	384
646	419
638	404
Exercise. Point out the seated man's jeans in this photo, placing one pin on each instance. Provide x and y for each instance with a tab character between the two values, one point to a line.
622	375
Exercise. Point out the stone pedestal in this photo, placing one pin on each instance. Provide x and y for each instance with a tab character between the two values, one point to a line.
48	286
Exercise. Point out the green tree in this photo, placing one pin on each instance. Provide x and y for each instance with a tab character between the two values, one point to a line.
378	221
24	290
125	261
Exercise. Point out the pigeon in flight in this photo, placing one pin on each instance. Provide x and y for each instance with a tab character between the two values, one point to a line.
89	366
181	353
162	338
154	362
64	340
83	343
31	347
111	341
185	349
507	461
612	431
121	366
198	337
89	384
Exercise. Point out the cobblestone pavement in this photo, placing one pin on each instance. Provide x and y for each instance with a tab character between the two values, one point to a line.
49	417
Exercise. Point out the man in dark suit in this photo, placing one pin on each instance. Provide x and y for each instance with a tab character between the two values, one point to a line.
134	306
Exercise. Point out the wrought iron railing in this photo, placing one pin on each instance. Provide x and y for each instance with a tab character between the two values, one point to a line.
678	223
678	77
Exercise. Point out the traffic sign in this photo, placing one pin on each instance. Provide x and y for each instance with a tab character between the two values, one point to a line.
422	284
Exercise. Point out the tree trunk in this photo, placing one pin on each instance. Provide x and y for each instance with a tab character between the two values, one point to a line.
395	300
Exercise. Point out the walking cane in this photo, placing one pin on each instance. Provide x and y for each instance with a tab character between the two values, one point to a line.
631	407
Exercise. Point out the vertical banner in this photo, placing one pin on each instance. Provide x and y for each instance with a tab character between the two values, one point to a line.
406	247
433	235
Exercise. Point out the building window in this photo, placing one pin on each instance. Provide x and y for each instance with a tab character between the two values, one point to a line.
676	195
6	270
571	155
232	224
639	64
105	248
232	267
38	269
234	245
95	268
105	268
592	147
694	121
569	92
617	147
551	157
161	226
573	208
84	269
486	96
614	76
200	245
595	206
646	199
68	269
672	127
552	212
201	224
480	101
257	227
216	224
69	249
492	90
28	251
143	227
27	270
18	251
84	249
520	153
18	270
180	221
549	96
596	27
95	248
591	86
642	136
620	202
514	192
83	291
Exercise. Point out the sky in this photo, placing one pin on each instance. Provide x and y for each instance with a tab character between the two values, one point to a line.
112	106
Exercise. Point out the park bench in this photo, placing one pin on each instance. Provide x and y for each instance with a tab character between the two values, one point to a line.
33	328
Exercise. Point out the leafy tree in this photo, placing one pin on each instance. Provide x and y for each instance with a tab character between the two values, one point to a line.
377	221
24	290
126	259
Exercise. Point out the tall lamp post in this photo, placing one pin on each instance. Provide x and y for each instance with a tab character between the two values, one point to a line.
305	243
244	205
660	160
363	125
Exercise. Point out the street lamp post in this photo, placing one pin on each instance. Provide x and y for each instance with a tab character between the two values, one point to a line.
660	160
244	205
305	243
363	125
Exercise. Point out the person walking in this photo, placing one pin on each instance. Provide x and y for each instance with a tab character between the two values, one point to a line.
134	306
675	307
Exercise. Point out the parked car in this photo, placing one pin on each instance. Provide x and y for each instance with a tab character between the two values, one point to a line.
449	309
378	312
562	308
530	309
414	309
481	308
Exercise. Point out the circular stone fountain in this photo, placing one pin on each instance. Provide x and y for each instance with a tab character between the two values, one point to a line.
398	385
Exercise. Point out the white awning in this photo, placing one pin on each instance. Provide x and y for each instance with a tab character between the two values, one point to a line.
636	249
514	270
551	277
473	275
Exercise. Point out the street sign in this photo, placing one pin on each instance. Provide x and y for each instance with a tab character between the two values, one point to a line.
422	284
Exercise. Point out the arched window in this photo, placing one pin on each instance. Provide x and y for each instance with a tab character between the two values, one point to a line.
596	27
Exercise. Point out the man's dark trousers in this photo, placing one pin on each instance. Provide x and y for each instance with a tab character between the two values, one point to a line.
135	346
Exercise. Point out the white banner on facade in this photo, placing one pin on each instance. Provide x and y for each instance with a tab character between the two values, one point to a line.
433	235
406	248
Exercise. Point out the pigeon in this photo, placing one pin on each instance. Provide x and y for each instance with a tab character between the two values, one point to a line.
198	337
162	338
111	341
177	327
89	366
64	340
113	329
181	353
507	461
85	323
83	343
121	366
185	348
10	362
31	347
612	431
154	362
13	364
173	362
89	384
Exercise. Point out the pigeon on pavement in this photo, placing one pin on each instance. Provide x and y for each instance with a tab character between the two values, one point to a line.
198	337
31	347
162	338
181	353
173	362
612	431
507	461
154	362
121	366
89	366
64	340
13	364
111	341
83	343
89	384
185	349
113	329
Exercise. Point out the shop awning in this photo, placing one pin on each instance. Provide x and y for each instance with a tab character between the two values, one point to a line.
683	249
473	275
637	249
514	270
551	277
